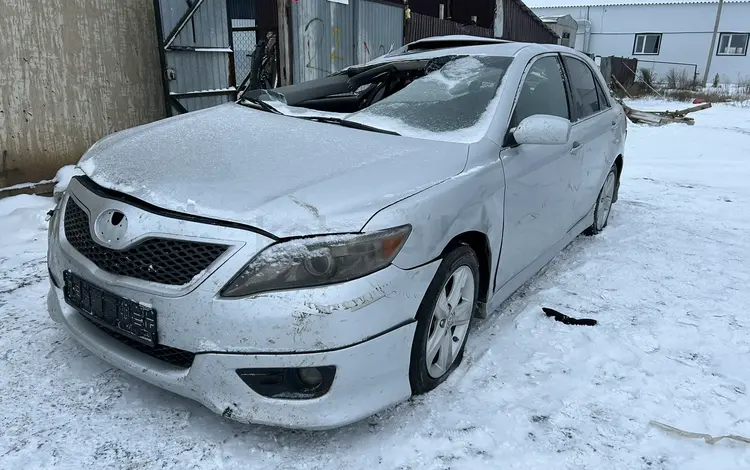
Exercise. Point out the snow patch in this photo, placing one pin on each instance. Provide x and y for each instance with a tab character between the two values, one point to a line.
21	202
456	72
87	165
63	177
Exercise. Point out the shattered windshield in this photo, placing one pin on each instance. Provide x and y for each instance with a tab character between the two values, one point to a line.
451	100
446	98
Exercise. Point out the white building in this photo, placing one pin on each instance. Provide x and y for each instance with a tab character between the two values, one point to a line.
662	34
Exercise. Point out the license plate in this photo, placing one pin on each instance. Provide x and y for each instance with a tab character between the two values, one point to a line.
124	316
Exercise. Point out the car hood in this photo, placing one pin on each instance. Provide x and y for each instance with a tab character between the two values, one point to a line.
287	176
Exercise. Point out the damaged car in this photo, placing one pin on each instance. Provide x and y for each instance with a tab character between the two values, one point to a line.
309	255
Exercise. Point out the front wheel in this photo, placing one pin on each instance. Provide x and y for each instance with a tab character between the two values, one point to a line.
604	203
444	319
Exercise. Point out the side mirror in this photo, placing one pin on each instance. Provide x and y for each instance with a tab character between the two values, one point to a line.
542	129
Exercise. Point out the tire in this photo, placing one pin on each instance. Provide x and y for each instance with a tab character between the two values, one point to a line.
426	373
604	202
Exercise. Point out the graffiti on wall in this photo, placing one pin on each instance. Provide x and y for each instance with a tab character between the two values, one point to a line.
318	57
313	39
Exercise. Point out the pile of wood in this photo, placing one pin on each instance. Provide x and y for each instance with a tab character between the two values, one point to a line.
659	118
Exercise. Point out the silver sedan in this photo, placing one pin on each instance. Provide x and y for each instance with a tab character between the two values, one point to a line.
312	254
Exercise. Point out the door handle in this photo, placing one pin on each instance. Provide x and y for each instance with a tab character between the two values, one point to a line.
614	125
576	147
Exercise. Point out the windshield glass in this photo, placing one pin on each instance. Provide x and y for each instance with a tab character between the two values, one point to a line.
451	103
449	98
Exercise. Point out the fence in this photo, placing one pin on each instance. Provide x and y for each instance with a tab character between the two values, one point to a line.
621	68
329	36
673	74
255	24
522	25
422	26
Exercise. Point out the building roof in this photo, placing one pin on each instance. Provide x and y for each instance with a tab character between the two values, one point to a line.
592	3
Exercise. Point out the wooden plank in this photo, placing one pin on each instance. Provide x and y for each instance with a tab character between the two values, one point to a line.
683	112
639	117
617	82
41	189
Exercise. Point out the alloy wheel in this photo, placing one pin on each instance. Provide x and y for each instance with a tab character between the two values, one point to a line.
449	322
605	200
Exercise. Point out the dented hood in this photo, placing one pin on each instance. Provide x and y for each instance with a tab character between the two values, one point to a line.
287	176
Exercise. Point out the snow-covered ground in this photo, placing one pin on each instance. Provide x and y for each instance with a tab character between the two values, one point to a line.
668	281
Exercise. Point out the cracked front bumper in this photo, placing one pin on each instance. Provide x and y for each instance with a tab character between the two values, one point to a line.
370	376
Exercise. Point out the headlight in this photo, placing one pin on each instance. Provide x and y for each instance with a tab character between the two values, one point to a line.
317	261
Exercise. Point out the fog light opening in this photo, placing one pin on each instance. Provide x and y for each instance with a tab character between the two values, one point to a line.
292	383
310	377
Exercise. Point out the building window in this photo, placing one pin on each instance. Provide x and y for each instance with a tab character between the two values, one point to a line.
647	43
732	44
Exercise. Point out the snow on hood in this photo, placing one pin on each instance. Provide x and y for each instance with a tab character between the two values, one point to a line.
288	176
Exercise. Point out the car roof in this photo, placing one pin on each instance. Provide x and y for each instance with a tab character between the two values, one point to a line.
438	46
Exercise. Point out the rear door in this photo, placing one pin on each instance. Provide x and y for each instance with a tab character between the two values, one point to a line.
537	177
595	126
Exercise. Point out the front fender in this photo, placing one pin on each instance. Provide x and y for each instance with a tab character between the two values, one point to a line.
471	201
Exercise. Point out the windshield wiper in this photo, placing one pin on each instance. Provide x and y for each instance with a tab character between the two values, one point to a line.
262	104
345	123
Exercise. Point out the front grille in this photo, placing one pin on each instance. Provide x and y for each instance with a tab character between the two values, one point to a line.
162	260
174	356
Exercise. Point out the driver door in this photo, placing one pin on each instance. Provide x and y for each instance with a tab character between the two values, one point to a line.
540	180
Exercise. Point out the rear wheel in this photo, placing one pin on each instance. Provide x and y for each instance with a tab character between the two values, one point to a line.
444	319
604	203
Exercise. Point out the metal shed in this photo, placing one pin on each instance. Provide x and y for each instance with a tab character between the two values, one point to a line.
564	26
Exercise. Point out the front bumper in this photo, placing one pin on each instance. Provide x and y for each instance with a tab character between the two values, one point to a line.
370	376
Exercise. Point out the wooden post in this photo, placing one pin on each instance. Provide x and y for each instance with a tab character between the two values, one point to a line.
285	65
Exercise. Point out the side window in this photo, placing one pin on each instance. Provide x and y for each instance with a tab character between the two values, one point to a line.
603	101
542	92
583	88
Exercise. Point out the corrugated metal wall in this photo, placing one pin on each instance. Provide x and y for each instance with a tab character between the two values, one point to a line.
521	24
380	28
328	36
322	38
72	72
423	26
198	60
